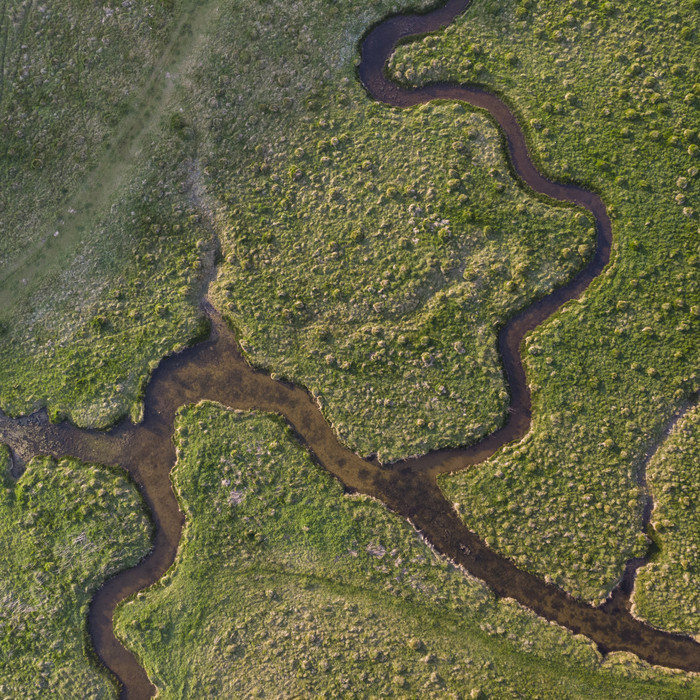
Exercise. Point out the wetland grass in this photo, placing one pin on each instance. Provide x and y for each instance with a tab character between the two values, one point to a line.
608	95
284	585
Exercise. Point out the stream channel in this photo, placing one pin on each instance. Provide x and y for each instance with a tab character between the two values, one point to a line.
215	370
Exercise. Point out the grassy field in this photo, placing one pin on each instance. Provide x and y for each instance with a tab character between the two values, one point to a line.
369	252
667	592
104	241
64	528
285	587
609	97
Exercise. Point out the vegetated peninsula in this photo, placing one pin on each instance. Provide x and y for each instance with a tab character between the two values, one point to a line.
155	152
609	96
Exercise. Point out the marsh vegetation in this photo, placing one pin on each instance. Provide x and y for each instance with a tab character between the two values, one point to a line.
285	586
609	97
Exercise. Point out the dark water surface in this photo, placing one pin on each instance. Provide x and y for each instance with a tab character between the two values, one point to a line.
215	370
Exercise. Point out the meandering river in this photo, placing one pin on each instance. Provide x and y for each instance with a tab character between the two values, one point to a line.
215	370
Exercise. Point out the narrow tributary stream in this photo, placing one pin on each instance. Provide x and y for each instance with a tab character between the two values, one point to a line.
215	370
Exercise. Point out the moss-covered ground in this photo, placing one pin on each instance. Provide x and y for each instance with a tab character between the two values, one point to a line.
667	592
285	587
609	97
65	527
369	252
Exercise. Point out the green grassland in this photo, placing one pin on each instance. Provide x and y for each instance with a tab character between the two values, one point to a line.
285	587
667	592
369	252
104	244
380	290
609	97
64	528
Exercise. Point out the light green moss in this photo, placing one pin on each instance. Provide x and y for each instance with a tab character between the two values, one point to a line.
283	586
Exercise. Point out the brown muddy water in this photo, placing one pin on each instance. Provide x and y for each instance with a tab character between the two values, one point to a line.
215	370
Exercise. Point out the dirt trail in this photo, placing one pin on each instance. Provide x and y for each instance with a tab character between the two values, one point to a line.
120	155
